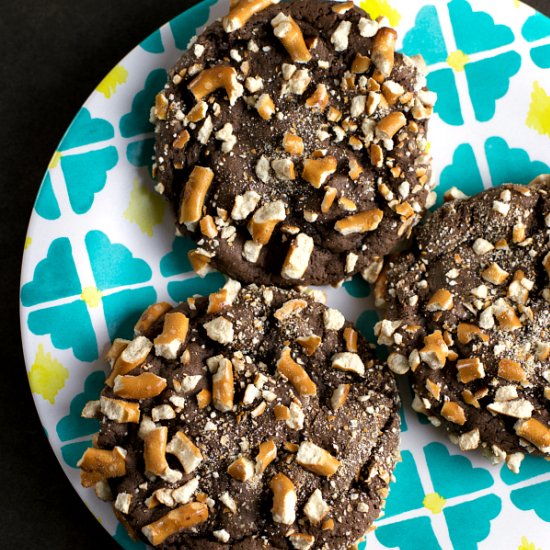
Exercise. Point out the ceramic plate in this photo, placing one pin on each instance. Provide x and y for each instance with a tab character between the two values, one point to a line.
101	247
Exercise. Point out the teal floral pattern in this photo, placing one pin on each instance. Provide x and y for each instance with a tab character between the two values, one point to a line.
427	24
487	35
153	43
140	153
406	493
533	497
86	130
506	164
452	477
46	204
463	172
113	265
124	540
182	31
179	291
487	76
176	261
86	175
488	80
537	28
365	324
54	277
69	327
465	479
531	467
136	122
73	426
477	516
357	287
410	534
122	310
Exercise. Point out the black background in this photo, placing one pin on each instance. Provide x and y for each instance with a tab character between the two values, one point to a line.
53	54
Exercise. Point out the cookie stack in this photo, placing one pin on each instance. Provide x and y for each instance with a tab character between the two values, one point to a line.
291	144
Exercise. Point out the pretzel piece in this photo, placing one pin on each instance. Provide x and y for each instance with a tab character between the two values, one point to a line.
296	374
174	333
316	459
284	499
186	452
194	194
100	464
154	451
142	386
242	11
297	258
265	219
317	171
267	453
290	34
181	518
223	391
362	222
133	355
149	316
214	78
383	51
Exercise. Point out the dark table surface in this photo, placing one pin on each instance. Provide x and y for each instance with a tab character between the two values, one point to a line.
54	54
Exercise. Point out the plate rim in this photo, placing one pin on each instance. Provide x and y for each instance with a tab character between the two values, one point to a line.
35	218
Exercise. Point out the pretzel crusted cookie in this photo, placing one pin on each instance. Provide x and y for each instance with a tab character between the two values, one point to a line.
254	418
291	143
468	311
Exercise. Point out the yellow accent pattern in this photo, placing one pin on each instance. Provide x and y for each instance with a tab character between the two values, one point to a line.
146	208
527	545
91	296
377	8
116	77
538	117
28	242
54	161
517	3
434	502
47	375
457	60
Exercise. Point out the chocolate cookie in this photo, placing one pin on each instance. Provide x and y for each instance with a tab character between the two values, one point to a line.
252	418
291	143
468	311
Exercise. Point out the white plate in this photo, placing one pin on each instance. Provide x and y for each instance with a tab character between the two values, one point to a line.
101	247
